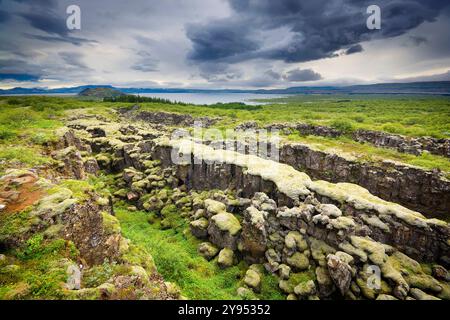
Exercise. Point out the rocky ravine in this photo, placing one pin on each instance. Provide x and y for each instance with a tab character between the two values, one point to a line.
322	240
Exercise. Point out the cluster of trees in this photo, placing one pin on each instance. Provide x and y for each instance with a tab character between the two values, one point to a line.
138	99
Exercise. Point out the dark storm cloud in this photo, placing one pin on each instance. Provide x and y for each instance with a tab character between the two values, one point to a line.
219	40
43	15
302	75
47	22
354	49
4	16
317	28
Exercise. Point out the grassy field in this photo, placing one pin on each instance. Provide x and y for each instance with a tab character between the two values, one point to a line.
26	123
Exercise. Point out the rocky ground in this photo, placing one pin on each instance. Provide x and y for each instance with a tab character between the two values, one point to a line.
319	240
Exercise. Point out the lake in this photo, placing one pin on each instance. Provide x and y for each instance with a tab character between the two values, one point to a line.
194	98
211	98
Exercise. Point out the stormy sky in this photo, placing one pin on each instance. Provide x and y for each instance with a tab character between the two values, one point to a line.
222	43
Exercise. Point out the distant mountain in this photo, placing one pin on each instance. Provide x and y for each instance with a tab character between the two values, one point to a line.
100	92
436	88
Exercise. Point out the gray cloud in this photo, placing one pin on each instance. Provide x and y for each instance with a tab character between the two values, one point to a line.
146	62
417	40
48	22
74	59
68	39
299	75
314	35
21	68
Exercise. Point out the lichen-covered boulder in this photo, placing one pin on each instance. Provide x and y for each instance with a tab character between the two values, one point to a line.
295	241
305	289
199	228
284	271
439	272
340	272
73	277
386	297
298	261
320	250
213	207
420	295
224	229
324	281
226	258
273	260
208	250
262	202
253	280
254	234
329	210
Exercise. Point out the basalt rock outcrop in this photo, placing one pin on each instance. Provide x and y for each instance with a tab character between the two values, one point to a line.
412	145
404	144
321	239
168	119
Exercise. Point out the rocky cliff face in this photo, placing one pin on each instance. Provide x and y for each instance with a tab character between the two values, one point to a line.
417	189
416	146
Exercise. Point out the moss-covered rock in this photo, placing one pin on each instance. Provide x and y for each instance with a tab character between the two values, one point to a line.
305	289
226	258
199	228
253	280
298	261
110	224
420	295
295	241
224	229
320	250
208	250
374	250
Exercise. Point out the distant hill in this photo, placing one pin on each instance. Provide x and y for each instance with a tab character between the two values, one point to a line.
433	88
100	92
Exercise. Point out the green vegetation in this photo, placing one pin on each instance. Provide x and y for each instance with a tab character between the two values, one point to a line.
27	123
138	99
37	270
176	257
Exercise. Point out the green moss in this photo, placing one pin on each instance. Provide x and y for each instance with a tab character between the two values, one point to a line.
176	257
295	279
110	224
79	188
41	265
